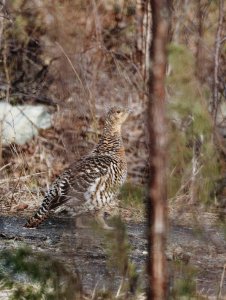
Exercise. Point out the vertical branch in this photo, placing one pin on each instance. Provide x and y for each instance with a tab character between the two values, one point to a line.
1	20
146	40
215	101
199	50
4	48
1	38
194	168
140	7
143	35
6	69
98	26
180	14
157	129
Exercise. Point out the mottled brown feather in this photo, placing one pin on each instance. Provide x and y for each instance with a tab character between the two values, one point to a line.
92	183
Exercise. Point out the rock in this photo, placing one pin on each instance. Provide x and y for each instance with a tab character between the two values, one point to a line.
21	123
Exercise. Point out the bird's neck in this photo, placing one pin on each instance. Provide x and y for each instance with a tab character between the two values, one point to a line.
110	142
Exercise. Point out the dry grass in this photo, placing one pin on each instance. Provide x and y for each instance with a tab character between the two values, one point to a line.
28	170
89	76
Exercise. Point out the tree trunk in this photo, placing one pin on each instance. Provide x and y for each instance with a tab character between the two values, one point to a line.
157	130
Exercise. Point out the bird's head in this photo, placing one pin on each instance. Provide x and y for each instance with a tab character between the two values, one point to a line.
116	116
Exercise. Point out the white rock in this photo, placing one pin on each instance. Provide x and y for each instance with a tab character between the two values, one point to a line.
20	123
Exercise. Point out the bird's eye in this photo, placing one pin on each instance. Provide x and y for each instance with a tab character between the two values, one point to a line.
118	111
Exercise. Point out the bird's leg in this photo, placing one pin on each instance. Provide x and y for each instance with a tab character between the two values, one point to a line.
112	210
115	211
79	223
100	219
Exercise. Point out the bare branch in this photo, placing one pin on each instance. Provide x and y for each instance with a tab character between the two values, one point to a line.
218	42
1	21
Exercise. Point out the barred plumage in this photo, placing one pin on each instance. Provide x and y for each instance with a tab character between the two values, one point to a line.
91	184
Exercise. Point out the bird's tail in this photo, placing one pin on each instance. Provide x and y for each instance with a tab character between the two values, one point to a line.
41	215
36	220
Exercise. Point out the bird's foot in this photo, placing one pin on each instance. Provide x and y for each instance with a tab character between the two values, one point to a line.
100	220
107	227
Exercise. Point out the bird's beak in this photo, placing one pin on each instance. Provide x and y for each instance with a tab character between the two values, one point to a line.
129	110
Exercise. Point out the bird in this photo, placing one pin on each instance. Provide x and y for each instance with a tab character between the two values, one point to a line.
90	185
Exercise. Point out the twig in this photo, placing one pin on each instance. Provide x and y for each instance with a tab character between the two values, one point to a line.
78	77
20	178
7	165
215	102
71	64
147	40
221	283
6	70
1	21
194	173
94	291
119	289
4	52
97	23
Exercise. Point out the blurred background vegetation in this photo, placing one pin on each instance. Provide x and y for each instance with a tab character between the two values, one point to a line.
79	58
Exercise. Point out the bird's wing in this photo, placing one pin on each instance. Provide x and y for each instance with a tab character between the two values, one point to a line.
80	183
82	180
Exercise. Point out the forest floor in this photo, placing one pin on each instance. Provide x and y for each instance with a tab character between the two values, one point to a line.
196	256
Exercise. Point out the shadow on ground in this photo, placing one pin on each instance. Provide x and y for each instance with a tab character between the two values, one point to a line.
83	251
